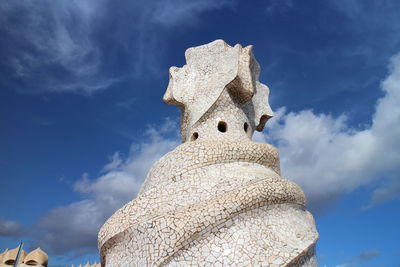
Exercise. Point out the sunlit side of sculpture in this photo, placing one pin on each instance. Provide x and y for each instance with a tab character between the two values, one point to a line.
218	199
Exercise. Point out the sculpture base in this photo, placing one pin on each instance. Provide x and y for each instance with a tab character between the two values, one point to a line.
276	235
229	207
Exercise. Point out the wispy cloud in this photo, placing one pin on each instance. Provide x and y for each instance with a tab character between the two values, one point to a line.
388	191
172	12
369	13
369	17
279	6
369	254
361	259
11	229
47	46
86	46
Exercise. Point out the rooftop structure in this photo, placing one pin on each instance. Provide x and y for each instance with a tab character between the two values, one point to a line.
36	257
218	199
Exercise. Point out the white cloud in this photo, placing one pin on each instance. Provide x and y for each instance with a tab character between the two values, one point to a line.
11	228
115	162
327	157
70	227
75	226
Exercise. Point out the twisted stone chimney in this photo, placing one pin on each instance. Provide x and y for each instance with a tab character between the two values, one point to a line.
218	199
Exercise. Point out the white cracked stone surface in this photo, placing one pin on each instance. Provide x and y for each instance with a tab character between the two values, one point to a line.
218	199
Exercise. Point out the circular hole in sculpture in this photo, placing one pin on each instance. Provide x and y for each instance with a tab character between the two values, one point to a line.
245	126
222	127
194	136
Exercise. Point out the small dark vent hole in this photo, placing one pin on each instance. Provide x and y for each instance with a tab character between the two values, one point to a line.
245	126
194	136
222	126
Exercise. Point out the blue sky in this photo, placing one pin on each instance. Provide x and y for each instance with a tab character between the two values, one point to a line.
82	117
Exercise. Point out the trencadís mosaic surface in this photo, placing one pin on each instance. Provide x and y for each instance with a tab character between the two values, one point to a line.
218	199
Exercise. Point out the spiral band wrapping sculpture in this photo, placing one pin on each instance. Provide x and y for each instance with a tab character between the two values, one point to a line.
218	199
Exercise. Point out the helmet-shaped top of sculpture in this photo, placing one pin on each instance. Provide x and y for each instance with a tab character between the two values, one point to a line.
219	93
36	257
10	256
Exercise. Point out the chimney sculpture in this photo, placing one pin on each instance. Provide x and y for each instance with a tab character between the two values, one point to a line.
36	257
217	199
